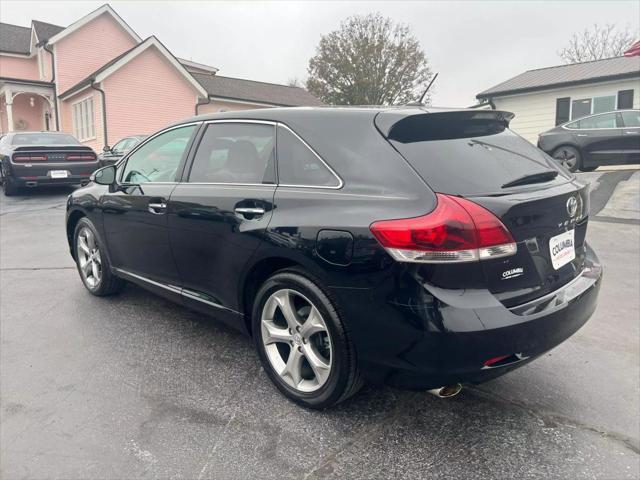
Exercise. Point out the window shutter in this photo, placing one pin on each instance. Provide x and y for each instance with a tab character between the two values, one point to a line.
562	109
625	99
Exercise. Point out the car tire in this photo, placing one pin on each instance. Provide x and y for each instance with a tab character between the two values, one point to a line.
92	261
315	334
569	157
9	188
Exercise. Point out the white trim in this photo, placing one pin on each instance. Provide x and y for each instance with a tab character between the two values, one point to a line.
199	66
87	18
16	55
151	41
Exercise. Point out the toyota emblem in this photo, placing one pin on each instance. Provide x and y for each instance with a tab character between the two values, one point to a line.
572	206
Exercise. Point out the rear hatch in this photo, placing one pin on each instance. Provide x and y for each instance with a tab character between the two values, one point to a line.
473	154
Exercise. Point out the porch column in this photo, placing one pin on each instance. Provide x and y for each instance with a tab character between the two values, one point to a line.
8	96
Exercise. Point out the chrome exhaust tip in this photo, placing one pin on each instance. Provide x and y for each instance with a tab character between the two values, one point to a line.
447	391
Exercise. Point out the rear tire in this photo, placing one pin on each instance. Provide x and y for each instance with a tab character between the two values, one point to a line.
302	341
92	261
569	157
9	188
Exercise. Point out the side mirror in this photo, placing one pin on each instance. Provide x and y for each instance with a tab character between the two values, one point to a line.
105	175
106	149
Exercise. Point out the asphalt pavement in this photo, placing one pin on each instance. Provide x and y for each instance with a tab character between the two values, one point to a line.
133	386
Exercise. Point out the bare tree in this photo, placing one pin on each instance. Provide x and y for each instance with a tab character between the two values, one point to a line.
597	43
295	82
368	61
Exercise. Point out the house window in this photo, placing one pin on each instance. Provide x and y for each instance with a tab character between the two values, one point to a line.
580	108
589	106
604	104
83	120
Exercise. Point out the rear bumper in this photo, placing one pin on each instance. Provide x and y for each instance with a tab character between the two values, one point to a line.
41	174
444	336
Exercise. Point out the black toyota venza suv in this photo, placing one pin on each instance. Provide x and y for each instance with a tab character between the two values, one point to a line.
415	247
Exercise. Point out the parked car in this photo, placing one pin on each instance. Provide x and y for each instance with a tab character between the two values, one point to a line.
32	159
120	149
414	247
611	138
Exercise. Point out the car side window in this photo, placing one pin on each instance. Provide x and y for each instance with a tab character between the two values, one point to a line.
298	165
572	125
159	158
599	121
631	119
235	153
121	146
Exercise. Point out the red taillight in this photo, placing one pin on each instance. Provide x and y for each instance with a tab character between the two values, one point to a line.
457	230
29	158
80	157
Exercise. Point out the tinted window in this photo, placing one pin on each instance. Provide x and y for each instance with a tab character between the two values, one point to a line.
158	159
573	125
235	153
599	121
472	164
121	146
631	119
299	165
44	139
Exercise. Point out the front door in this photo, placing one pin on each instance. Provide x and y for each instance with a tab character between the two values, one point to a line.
599	139
219	213
135	212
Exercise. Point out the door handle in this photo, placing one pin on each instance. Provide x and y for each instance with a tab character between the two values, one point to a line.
157	208
581	135
253	211
631	132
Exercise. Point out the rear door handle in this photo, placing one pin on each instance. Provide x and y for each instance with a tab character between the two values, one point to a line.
254	212
632	132
157	208
581	135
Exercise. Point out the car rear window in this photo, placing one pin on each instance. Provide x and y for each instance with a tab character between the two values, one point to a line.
44	139
461	154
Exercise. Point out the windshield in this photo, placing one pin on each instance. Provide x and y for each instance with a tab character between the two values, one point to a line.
44	138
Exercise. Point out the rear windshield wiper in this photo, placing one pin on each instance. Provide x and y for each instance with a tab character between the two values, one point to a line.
538	177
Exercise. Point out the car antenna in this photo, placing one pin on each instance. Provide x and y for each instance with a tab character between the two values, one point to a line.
419	102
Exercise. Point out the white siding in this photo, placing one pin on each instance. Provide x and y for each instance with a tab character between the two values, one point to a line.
536	112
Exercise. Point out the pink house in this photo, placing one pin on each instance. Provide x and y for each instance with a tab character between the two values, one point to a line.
99	81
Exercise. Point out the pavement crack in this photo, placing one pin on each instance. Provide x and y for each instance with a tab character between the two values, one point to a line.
549	418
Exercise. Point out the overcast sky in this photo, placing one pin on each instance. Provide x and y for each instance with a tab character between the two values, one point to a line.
473	45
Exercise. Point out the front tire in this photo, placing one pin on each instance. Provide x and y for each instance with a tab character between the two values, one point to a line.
569	157
302	341
92	261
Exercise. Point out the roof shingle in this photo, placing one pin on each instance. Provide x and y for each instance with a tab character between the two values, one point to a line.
260	92
566	75
15	39
44	30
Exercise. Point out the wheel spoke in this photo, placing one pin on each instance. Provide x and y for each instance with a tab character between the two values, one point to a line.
319	365
285	303
82	243
313	324
95	271
293	368
96	257
274	334
85	267
90	239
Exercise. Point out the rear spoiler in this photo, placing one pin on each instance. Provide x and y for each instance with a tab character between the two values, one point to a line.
390	123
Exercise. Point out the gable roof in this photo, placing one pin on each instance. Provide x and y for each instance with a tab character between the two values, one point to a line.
44	31
124	58
15	39
106	8
249	91
567	75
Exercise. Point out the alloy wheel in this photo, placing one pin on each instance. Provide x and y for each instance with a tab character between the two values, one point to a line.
567	158
89	259
296	340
